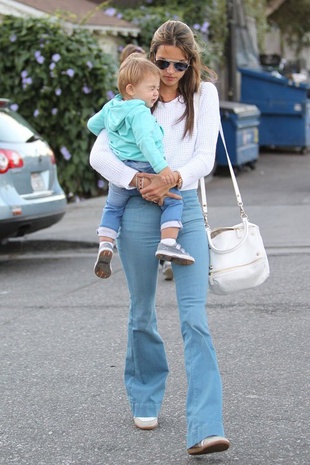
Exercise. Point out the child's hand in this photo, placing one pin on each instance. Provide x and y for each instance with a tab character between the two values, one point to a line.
167	176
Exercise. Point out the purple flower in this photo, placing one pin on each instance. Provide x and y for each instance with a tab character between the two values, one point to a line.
24	74
205	27
110	11
36	113
52	65
101	184
39	58
86	89
89	64
65	153
26	81
58	91
196	27
56	57
70	72
14	107
13	38
110	94
54	111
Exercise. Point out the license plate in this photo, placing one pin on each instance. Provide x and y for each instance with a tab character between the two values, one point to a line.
37	182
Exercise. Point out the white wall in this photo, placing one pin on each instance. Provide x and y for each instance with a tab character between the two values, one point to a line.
273	45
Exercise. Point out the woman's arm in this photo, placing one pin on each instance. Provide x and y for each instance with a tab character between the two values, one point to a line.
103	160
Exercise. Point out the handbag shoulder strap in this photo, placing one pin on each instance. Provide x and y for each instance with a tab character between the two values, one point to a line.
234	181
231	170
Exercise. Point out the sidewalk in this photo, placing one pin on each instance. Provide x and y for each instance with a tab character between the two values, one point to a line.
276	196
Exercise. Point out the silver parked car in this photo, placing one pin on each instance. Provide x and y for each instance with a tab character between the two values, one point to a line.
30	195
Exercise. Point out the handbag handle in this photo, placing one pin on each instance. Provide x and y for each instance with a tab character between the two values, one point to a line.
232	249
234	181
243	215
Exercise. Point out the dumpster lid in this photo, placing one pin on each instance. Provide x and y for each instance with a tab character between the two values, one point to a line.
275	77
238	108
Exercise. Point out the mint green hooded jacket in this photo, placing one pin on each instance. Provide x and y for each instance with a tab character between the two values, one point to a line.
133	131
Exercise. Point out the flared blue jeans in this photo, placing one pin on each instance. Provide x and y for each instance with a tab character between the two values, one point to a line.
146	368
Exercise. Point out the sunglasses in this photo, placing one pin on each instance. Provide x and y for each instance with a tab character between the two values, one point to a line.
178	65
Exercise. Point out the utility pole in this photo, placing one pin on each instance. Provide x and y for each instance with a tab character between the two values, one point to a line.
231	51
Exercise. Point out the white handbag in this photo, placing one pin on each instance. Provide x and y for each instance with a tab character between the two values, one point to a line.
238	259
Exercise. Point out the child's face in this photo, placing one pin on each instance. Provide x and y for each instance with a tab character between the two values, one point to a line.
147	90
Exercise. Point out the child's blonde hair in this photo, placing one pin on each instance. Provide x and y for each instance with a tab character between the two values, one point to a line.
133	70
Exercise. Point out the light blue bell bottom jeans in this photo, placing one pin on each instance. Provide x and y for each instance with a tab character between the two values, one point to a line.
146	368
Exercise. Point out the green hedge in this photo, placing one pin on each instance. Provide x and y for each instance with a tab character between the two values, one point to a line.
57	81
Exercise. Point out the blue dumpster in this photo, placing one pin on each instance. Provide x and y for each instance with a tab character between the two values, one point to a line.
240	127
284	106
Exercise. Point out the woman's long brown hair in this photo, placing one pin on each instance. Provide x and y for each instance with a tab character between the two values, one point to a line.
178	34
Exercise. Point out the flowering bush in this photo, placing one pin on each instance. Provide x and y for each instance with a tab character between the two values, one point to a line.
57	81
207	19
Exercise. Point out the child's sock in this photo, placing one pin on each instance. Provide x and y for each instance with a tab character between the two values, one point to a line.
168	241
105	245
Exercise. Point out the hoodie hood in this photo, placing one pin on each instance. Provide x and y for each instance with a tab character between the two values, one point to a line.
117	110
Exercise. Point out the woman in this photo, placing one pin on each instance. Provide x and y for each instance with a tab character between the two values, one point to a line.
190	142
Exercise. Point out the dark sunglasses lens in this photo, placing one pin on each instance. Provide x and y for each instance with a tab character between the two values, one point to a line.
162	64
180	66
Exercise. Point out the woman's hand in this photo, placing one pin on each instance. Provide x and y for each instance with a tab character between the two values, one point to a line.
154	189
167	176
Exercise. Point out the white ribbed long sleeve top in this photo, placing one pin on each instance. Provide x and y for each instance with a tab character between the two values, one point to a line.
192	156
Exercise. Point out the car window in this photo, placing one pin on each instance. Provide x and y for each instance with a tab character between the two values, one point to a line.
14	128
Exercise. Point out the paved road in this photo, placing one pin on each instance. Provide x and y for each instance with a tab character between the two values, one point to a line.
63	332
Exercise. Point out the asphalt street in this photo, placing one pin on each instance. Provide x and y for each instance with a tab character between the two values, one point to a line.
63	340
